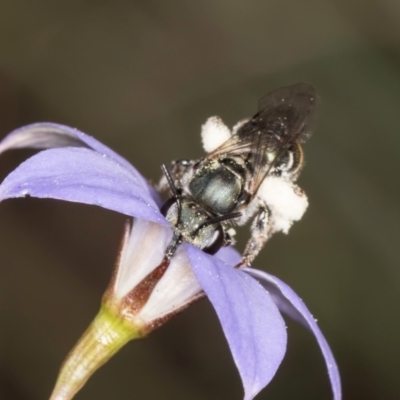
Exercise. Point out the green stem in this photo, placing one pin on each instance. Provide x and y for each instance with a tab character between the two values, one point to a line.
106	335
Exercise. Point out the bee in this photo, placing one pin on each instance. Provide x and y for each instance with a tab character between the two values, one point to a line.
248	173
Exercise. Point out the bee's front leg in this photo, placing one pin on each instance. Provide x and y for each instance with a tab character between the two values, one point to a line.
260	233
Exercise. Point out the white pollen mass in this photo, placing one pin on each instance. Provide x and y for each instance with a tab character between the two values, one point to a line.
286	201
214	133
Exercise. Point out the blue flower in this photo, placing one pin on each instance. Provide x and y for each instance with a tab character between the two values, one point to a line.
249	302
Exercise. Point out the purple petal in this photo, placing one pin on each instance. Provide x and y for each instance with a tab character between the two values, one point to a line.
45	135
85	176
229	255
291	304
252	324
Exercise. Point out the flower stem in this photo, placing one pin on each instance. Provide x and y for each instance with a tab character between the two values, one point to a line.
106	335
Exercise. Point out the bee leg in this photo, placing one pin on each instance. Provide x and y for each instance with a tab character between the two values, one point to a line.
260	233
229	237
177	169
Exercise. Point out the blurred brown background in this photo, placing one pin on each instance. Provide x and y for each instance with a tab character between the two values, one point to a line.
142	76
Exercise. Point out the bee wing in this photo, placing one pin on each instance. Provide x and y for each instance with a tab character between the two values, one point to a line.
295	106
285	115
236	144
288	115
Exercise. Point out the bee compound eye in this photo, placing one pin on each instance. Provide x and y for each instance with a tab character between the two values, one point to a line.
167	205
216	242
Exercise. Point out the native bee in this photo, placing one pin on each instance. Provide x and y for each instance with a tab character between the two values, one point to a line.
249	172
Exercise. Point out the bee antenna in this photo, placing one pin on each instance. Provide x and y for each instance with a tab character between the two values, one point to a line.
174	190
171	183
215	220
171	249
